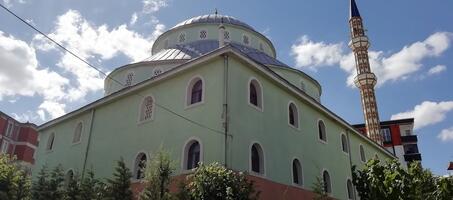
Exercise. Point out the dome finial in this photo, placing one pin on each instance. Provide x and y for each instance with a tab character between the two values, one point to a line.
215	11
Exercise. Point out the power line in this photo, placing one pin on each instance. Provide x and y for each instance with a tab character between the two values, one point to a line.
100	71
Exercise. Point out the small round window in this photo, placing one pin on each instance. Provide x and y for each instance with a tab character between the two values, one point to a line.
245	39
203	34
157	71
182	37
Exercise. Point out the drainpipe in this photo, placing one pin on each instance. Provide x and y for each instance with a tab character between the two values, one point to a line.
350	164
88	143
225	115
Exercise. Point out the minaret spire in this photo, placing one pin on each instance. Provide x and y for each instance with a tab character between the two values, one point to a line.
365	79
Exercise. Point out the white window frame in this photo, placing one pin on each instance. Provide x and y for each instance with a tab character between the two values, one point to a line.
347	189
185	153
330	181
362	149
141	110
325	132
189	87
249	39
301	184
48	147
262	165
296	115
135	164
199	34
9	129
127	77
260	94
81	133
5	146
347	143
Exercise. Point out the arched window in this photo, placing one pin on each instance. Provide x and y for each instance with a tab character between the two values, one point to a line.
195	91
322	131
77	133
193	154
362	154
293	115
257	159
344	143
326	182
147	108
129	78
255	93
297	172
140	166
350	189
50	142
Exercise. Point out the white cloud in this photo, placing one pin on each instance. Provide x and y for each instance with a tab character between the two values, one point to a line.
9	3
53	109
28	116
437	69
398	66
315	54
427	113
446	135
134	18
151	6
93	42
20	74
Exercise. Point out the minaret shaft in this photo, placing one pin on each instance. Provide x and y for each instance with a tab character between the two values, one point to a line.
365	79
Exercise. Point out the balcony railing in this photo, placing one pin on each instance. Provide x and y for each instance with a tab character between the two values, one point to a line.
409	139
412	157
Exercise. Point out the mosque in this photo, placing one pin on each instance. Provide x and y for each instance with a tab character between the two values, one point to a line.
214	91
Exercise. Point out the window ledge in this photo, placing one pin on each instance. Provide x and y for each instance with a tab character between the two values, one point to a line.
76	143
322	141
294	127
193	105
145	121
256	107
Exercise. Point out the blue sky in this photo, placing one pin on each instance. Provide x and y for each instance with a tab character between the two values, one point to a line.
411	54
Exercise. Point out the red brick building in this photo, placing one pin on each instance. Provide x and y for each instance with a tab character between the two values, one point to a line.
18	139
399	138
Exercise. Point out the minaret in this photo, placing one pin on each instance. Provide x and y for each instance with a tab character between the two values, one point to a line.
365	79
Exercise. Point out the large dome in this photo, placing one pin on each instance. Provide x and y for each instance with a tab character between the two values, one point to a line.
215	19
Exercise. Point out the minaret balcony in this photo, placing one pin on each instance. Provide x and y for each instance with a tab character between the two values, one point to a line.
365	79
359	42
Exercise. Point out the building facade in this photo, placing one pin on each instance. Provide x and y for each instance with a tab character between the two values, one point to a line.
399	138
214	91
18	139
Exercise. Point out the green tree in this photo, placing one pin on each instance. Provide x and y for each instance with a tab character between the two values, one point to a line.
119	187
91	188
40	187
158	178
444	188
14	181
72	188
56	183
214	181
318	189
391	181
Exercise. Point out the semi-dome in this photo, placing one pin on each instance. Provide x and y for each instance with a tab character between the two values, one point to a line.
214	18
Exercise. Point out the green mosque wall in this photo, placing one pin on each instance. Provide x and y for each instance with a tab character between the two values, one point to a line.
116	133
